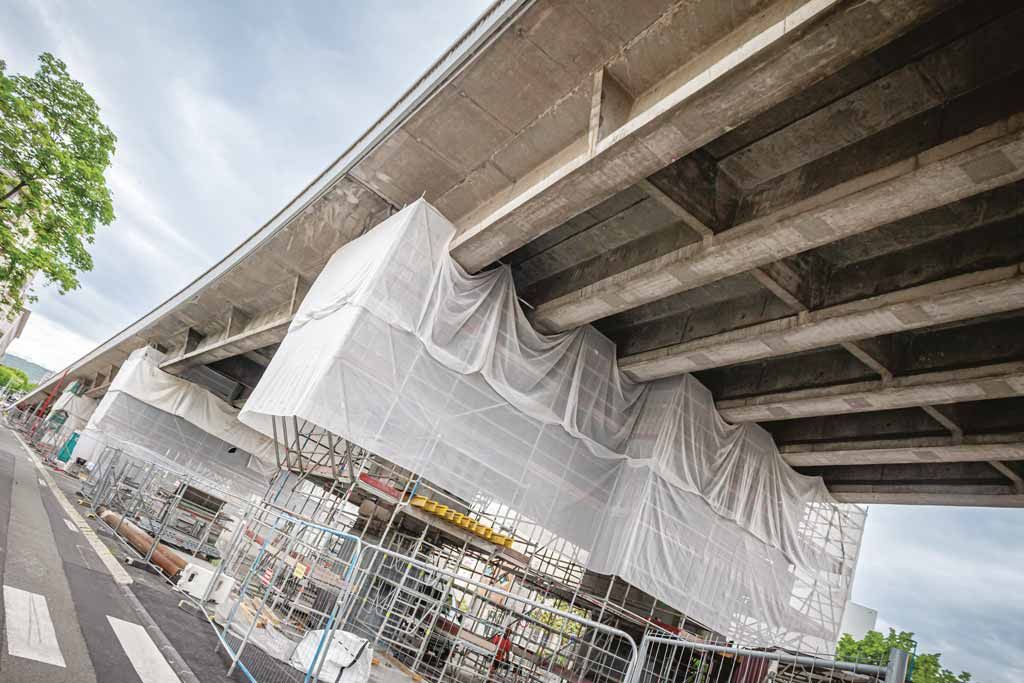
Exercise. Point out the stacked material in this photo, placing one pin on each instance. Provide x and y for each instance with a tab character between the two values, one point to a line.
462	521
169	562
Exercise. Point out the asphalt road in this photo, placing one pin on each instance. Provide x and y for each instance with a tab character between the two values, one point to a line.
63	616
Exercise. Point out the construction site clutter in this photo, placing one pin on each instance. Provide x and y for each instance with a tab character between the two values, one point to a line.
397	350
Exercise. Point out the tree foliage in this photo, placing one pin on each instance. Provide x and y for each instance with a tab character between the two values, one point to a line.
14	379
54	150
874	648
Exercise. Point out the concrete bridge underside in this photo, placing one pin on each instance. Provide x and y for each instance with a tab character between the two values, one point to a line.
815	207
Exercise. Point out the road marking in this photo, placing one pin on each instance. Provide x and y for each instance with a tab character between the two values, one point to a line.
143	653
41	482
70	525
106	557
30	631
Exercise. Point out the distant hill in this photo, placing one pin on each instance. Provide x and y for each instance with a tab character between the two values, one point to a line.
35	373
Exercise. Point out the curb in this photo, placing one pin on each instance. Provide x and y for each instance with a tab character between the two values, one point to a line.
117	572
173	658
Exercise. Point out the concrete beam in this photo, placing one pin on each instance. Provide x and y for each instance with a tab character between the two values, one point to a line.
926	389
258	334
1016	480
955	496
973	295
239	369
986	158
675	208
868	359
191	338
972	448
787	47
934	483
954	429
237	321
243	333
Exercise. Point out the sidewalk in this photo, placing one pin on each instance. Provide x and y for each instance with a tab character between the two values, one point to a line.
70	612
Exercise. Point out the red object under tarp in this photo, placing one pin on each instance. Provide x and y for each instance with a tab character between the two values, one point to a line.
380	486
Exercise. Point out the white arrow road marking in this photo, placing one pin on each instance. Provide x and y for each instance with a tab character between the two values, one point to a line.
70	525
143	653
30	631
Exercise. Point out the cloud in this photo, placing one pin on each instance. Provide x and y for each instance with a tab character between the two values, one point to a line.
50	344
223	113
953	576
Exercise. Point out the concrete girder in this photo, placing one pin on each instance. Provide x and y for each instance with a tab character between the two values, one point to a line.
952	496
255	336
239	369
1016	480
995	449
242	333
926	389
785	48
921	483
933	78
986	158
972	448
973	295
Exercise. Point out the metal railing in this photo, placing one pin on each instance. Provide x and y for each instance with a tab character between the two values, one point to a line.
311	600
293	579
164	516
664	659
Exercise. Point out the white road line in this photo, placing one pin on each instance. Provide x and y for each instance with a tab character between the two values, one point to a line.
41	482
70	525
143	653
30	631
106	557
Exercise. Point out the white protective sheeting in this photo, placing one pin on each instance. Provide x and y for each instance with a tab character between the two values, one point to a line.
141	378
78	408
152	435
398	350
157	417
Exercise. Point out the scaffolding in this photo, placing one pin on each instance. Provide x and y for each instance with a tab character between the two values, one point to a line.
447	588
349	559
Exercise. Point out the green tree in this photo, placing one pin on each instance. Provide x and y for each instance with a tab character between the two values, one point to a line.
874	648
14	379
54	150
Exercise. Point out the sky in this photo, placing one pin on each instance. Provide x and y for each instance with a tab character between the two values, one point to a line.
225	110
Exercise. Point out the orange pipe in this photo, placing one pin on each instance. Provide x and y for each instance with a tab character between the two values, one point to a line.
169	562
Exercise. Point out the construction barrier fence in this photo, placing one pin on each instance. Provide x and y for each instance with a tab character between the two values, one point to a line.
311	582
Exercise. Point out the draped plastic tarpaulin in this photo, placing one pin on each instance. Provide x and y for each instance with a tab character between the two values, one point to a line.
141	378
161	418
398	350
78	409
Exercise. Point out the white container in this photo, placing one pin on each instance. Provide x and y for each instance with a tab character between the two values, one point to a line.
195	579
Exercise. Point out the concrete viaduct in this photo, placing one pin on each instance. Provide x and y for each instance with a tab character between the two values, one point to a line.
815	206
